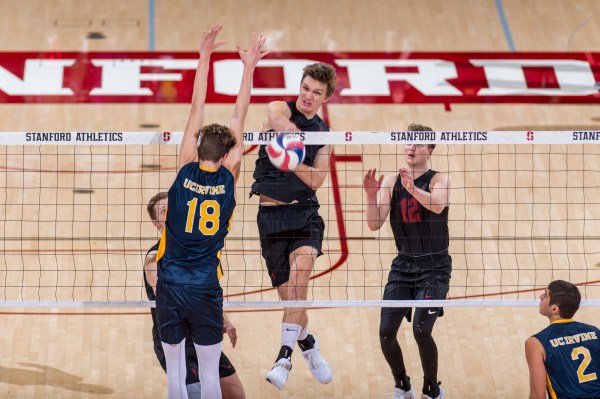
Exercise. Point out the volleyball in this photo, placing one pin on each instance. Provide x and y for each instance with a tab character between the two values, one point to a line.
286	151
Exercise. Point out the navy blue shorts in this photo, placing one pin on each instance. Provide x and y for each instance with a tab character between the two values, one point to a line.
180	308
285	228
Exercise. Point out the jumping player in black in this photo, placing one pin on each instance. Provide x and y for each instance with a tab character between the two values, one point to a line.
231	386
417	201
289	225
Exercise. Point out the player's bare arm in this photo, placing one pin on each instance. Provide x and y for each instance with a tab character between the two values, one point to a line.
229	329
314	176
378	192
249	58
434	200
278	118
189	143
534	352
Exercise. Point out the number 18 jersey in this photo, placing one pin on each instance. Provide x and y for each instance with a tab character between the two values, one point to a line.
201	204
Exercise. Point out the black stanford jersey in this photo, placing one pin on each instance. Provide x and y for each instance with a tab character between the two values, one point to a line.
201	204
286	186
417	231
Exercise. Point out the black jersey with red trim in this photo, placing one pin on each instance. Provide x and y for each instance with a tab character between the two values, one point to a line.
417	230
201	204
286	186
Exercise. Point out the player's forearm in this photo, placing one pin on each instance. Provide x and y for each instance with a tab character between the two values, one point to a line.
200	81
198	96
196	117
312	177
536	393
434	203
242	102
372	213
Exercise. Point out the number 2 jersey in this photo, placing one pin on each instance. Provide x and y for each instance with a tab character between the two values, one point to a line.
201	204
572	359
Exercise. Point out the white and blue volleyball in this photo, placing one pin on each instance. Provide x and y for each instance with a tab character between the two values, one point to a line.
286	151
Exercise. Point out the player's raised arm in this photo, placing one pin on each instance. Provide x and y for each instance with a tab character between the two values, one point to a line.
249	58
378	194
189	143
437	199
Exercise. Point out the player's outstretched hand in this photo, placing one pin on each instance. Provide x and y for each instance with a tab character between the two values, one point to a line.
208	43
407	180
255	52
370	183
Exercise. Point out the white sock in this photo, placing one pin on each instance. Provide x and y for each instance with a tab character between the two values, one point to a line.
303	333
208	362
176	370
194	390
289	334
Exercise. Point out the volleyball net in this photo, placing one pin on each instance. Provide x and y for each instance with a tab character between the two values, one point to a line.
525	210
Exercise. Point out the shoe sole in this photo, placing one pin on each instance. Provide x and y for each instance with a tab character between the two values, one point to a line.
272	383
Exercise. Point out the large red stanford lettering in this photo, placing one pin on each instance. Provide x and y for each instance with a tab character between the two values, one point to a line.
445	78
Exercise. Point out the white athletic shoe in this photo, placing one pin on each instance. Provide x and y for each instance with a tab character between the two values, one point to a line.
279	373
442	395
401	394
317	365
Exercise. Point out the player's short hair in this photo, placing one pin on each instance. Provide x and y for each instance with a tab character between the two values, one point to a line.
415	127
566	296
151	207
321	72
215	141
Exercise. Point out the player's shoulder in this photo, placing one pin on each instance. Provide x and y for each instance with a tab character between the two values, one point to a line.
189	166
589	327
186	169
281	106
440	177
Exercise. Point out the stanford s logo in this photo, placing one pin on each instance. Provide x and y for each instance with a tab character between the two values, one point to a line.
348	136
166	136
529	136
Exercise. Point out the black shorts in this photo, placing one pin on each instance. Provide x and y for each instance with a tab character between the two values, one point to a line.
191	361
282	230
180	308
411	280
420	273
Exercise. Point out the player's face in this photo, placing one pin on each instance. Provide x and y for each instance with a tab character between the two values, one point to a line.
312	95
545	303
417	155
161	213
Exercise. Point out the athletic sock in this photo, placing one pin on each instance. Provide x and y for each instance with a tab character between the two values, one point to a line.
284	352
307	343
289	334
303	333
